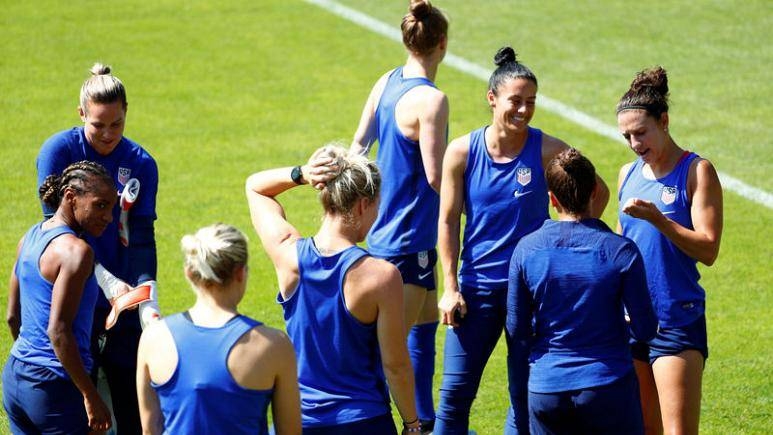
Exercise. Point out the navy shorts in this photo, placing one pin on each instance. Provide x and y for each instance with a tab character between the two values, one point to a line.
672	341
381	425
417	268
608	409
38	401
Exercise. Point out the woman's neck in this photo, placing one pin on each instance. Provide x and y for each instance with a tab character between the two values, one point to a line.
668	161
336	234
571	217
504	143
420	66
61	218
214	307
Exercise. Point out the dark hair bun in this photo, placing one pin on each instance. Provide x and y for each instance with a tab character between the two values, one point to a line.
504	55
654	78
420	9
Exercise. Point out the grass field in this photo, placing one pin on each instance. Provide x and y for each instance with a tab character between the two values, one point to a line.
218	90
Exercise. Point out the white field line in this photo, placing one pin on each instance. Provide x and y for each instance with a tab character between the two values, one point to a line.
580	118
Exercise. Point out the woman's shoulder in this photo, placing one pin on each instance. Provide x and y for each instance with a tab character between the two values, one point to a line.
157	335
262	340
62	140
373	274
460	146
72	248
552	145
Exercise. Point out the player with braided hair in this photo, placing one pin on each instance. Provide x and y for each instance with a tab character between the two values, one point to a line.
46	382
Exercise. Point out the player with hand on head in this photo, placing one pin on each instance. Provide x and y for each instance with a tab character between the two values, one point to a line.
46	383
343	308
210	369
408	116
103	107
671	207
495	175
570	283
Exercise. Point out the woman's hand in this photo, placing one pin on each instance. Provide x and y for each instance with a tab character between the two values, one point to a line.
642	209
450	303
98	413
320	169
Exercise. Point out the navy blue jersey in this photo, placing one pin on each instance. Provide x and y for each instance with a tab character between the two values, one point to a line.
202	395
409	207
128	160
569	284
339	365
33	345
672	275
503	202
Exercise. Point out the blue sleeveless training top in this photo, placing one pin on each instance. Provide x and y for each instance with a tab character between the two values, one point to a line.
672	275
408	210
503	202
339	365
202	395
33	345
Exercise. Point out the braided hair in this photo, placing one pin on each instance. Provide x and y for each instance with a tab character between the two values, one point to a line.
81	177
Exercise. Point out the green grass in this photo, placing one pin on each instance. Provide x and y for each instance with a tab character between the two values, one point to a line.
218	92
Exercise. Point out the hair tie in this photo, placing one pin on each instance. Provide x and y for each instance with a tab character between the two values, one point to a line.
631	107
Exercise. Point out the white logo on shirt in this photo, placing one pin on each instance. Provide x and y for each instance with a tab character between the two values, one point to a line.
523	176
124	174
668	195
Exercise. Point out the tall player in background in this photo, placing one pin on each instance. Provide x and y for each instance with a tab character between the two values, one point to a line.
671	207
408	116
102	108
494	174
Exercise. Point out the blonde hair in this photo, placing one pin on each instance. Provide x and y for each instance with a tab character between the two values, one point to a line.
102	88
212	253
357	178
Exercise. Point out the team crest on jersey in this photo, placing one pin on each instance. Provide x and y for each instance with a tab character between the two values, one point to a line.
524	176
668	195
423	259
124	174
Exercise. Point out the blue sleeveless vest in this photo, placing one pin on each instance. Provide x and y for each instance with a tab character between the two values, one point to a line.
503	202
202	395
339	364
33	345
409	207
672	275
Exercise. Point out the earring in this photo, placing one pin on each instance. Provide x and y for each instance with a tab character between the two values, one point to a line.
666	129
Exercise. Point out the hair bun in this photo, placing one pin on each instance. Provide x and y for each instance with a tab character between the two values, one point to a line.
504	55
654	78
99	69
420	9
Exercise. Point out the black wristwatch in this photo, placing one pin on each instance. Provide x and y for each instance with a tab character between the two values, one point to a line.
297	175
